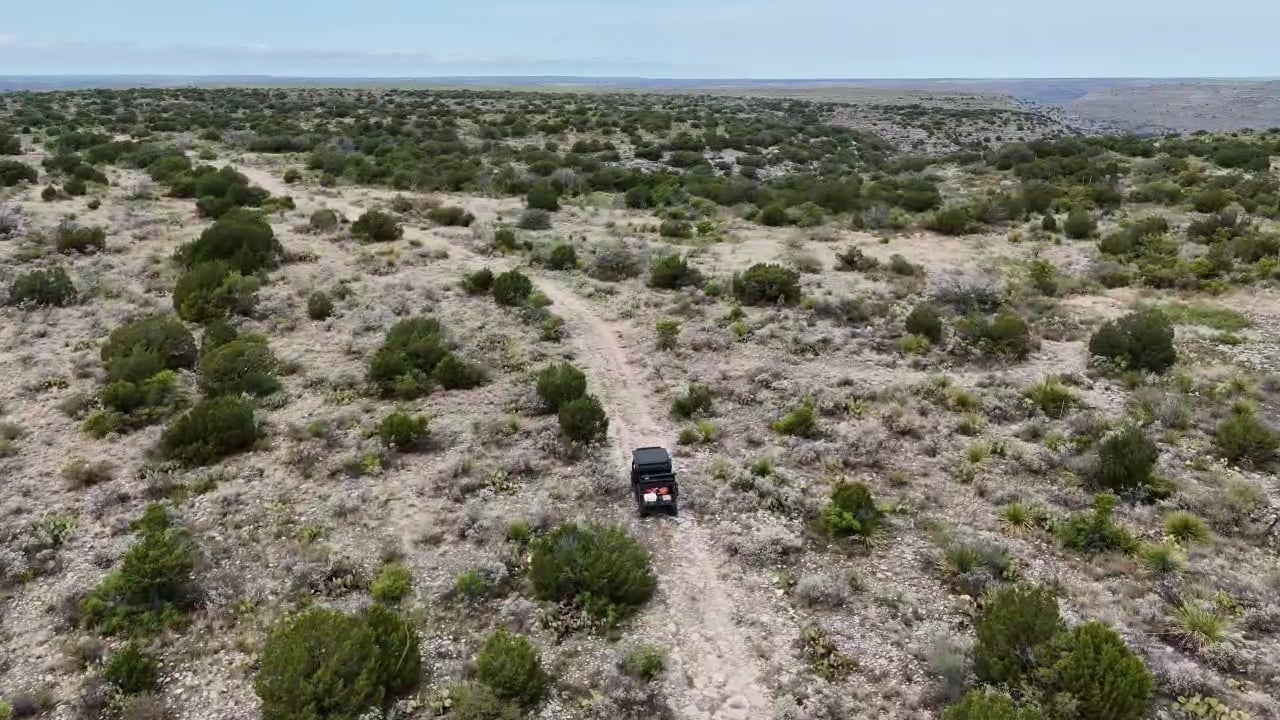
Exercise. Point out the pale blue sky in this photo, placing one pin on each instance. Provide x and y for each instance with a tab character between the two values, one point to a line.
653	38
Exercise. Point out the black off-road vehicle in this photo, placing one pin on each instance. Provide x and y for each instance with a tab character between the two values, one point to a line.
653	481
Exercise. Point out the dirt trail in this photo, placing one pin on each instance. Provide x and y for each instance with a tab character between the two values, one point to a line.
693	613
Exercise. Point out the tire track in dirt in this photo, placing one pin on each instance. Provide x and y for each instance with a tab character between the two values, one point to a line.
693	612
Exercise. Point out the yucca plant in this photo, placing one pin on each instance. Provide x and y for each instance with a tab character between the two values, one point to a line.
1185	527
1016	518
1164	559
1197	627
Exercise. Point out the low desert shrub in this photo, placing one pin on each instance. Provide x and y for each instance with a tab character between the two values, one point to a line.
209	431
852	258
81	239
392	584
1092	668
1126	458
671	272
377	226
153	588
561	257
131	670
1052	397
583	421
161	335
925	321
450	216
403	366
324	664
543	197
531	219
1139	341
455	373
47	288
510	666
512	288
1096	532
852	512
602	570
988	704
319	305
644	663
613	262
323	220
559	385
678	229
245	366
478	282
403	431
1079	225
696	401
213	290
1014	627
801	421
1245	438
766	284
241	238
1006	335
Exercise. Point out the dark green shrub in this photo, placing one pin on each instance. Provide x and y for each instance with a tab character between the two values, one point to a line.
153	587
559	385
478	282
562	257
532	219
678	229
1006	335
1125	460
402	367
319	305
211	430
241	238
377	226
505	240
451	216
1243	437
213	290
772	215
543	197
583	420
1079	225
13	172
767	283
80	239
852	512
243	366
326	665
925	321
953	220
1098	675
1014	627
323	220
510	666
512	288
1096	532
292	175
672	272
602	570
1142	341
216	334
852	258
403	431
694	402
454	373
987	704
161	335
1211	200
131	670
10	144
50	288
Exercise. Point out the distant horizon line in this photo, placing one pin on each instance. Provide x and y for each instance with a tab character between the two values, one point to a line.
486	76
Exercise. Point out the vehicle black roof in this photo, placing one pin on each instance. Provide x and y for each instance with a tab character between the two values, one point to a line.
650	456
